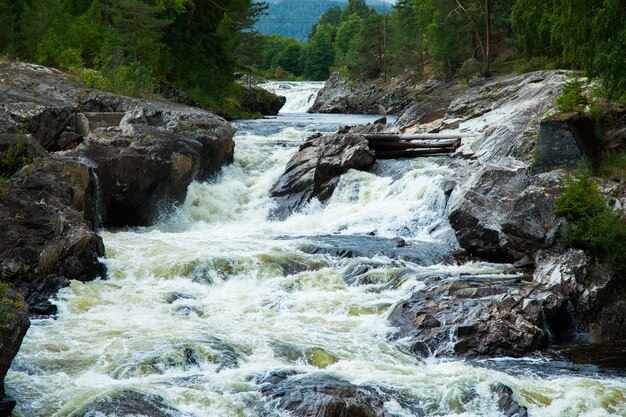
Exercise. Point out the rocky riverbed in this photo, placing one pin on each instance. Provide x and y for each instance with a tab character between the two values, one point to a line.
297	273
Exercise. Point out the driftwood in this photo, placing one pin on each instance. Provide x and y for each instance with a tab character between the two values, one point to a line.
395	146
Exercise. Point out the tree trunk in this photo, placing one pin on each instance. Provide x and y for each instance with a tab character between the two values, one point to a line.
487	51
106	12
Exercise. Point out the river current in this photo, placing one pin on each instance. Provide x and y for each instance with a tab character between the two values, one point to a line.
214	295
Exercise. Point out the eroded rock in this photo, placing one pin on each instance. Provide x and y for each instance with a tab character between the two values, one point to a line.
315	170
478	319
322	396
49	213
127	403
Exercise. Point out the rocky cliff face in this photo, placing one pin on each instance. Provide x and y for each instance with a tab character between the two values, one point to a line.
502	210
99	160
340	95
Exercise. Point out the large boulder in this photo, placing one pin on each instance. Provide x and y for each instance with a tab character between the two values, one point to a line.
322	396
563	140
128	403
382	96
476	319
48	212
146	164
258	100
503	213
315	170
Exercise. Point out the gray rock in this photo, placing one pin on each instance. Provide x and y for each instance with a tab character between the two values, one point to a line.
48	214
507	403
258	100
366	97
168	160
563	140
481	319
314	171
14	324
128	403
322	396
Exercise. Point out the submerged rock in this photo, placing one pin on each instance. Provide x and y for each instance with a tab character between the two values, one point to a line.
507	403
479	319
315	170
353	246
322	396
128	403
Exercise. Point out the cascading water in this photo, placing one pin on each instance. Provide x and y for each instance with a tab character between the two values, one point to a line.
300	95
198	306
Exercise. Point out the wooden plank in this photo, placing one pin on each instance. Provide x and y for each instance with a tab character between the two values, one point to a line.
412	145
410	154
414	136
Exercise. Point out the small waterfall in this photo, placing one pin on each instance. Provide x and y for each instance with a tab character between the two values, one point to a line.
300	95
98	191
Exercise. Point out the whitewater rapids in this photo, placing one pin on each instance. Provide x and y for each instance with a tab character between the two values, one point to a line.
218	279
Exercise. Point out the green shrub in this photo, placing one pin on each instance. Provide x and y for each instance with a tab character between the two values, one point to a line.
592	225
14	158
613	165
572	97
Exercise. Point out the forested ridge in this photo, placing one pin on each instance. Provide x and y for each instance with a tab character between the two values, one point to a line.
134	46
295	18
458	38
198	46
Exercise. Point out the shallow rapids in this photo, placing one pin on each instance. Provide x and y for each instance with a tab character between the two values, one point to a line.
199	306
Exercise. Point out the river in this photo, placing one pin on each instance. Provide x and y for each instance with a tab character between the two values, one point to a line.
214	295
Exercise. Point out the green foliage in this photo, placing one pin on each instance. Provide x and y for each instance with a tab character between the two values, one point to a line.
128	46
320	53
592	226
588	35
572	97
14	158
7	304
613	166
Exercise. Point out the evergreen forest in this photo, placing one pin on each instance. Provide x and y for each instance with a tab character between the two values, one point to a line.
202	46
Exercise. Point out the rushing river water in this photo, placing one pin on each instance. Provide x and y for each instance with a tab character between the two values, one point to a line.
198	306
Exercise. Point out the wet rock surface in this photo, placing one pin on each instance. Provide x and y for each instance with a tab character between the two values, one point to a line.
146	164
14	324
315	170
353	246
322	396
502	213
473	319
127	403
340	95
506	402
49	213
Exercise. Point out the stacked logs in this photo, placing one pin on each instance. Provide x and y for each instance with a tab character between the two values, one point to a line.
395	146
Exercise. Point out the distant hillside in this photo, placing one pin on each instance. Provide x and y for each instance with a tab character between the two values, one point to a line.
295	18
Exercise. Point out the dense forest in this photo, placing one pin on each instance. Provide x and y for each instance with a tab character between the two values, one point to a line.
133	46
295	18
458	38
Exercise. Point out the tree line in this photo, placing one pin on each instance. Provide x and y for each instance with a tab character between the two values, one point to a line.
133	45
458	38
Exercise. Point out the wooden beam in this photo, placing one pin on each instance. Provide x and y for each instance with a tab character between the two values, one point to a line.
410	153
412	145
414	136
